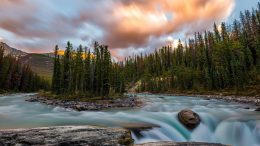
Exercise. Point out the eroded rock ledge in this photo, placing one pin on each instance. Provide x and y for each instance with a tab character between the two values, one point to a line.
89	106
66	135
79	136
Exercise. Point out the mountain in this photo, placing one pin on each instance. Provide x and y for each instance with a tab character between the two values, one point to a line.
42	64
12	51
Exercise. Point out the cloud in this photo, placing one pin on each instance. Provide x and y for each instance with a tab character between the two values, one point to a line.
10	2
1	39
136	21
122	24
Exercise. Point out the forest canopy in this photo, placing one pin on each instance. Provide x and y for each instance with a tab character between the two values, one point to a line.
92	74
16	77
226	58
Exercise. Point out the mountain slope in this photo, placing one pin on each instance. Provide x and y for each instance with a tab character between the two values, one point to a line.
12	51
41	64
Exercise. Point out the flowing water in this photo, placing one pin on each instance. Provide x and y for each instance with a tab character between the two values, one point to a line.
222	122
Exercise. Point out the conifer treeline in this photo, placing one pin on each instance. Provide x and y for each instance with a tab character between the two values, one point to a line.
225	58
18	78
82	72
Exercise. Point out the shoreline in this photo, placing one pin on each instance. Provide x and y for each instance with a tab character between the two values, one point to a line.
135	102
128	102
249	100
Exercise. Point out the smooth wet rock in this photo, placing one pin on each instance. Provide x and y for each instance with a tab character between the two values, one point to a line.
257	109
189	118
257	102
137	128
141	126
66	135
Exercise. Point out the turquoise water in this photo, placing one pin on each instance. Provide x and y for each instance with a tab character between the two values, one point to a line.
222	122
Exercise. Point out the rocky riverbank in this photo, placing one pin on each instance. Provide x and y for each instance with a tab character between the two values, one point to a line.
126	102
66	135
251	100
78	135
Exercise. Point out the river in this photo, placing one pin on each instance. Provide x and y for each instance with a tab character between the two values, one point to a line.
222	122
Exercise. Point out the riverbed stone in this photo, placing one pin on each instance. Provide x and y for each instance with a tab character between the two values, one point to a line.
125	102
137	128
66	135
257	109
189	118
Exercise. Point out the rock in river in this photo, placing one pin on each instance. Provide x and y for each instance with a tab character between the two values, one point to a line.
257	109
189	118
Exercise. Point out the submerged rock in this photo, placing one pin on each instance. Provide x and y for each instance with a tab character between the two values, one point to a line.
189	118
66	135
257	109
137	128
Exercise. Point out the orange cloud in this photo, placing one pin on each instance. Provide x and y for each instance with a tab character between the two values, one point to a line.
121	24
135	21
10	2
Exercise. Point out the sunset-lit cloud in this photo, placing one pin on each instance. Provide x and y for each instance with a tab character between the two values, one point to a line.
126	26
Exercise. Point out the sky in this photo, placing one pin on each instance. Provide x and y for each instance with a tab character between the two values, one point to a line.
127	26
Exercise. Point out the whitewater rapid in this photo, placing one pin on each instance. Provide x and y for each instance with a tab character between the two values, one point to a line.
222	122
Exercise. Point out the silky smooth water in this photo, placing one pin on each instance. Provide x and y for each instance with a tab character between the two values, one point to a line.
222	122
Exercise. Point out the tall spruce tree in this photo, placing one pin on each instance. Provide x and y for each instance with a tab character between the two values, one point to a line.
67	71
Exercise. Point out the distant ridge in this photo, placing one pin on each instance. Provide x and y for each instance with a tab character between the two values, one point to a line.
12	51
41	64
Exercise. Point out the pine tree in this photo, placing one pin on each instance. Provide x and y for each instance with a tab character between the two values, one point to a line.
87	71
79	72
106	72
55	71
67	71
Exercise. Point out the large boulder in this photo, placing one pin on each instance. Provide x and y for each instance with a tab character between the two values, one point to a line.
257	109
66	135
189	119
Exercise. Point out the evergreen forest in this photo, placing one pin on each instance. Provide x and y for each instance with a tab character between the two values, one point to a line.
226	57
15	77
